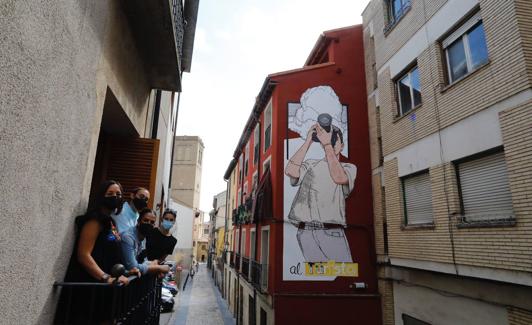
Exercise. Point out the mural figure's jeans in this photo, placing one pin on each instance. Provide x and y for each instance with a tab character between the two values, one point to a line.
322	245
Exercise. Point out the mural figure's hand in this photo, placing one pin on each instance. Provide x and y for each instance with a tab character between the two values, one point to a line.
310	133
322	135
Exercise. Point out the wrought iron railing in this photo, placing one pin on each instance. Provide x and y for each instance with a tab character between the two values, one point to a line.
179	25
232	259
237	261
245	267
255	274
139	302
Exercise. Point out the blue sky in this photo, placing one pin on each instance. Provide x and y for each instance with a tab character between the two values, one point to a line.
238	43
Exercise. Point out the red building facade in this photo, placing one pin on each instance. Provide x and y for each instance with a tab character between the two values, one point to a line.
302	238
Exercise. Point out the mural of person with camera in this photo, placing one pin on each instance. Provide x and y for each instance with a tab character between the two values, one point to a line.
318	208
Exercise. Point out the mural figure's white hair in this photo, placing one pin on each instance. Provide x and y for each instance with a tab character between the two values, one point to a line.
315	101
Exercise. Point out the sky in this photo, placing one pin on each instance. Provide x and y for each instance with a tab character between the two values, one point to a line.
237	44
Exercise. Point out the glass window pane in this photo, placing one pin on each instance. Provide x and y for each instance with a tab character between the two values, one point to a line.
457	60
404	94
397	8
416	86
477	45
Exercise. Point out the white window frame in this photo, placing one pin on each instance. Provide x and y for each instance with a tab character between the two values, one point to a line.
256	143
264	261
266	161
268	117
254	182
252	245
243	243
462	33
397	87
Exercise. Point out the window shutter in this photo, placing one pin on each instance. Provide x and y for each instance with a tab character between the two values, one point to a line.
133	163
485	188
461	30
418	199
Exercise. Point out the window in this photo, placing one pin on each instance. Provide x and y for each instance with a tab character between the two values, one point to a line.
246	162
417	199
254	182
268	126
465	49
396	10
256	144
408	91
206	231
484	188
200	157
243	243
266	165
264	255
409	320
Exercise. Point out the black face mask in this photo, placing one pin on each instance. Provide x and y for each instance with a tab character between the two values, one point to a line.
112	202
145	228
140	203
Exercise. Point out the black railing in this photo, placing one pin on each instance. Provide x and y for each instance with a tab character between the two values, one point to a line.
237	261
255	274
139	302
179	25
232	259
245	267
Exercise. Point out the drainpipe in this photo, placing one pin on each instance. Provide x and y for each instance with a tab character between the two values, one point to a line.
173	150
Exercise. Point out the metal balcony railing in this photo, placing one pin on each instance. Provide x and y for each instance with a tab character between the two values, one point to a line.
255	274
232	259
88	302
237	261
245	267
179	25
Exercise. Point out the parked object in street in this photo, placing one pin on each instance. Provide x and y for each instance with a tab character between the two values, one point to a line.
167	301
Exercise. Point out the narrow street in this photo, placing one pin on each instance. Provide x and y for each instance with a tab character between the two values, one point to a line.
199	304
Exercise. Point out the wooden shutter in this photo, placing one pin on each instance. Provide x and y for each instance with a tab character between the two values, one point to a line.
133	163
418	199
485	188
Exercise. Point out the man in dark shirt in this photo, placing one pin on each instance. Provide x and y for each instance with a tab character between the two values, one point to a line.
160	243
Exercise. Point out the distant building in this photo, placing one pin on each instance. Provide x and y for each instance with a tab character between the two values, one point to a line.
186	171
449	88
217	236
183	232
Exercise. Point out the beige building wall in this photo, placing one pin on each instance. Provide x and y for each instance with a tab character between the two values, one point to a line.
489	108
186	172
59	62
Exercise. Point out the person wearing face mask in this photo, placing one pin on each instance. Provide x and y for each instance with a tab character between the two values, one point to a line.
160	243
96	250
127	217
133	243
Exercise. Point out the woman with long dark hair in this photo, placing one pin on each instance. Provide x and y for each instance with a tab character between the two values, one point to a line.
96	251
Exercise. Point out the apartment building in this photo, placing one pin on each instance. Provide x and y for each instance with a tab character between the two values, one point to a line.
450	114
217	236
88	93
302	248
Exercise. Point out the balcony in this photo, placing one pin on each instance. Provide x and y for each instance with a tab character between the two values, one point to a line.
237	261
232	259
137	303
245	267
163	38
255	274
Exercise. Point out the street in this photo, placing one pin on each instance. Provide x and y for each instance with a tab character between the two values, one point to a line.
200	303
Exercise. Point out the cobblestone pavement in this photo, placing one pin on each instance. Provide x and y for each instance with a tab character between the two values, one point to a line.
200	303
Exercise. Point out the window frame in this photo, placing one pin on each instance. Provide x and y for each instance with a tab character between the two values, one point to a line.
463	218
461	32
406	224
407	72
256	144
392	20
268	112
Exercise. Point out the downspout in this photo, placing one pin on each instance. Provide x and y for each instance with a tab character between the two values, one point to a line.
173	150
